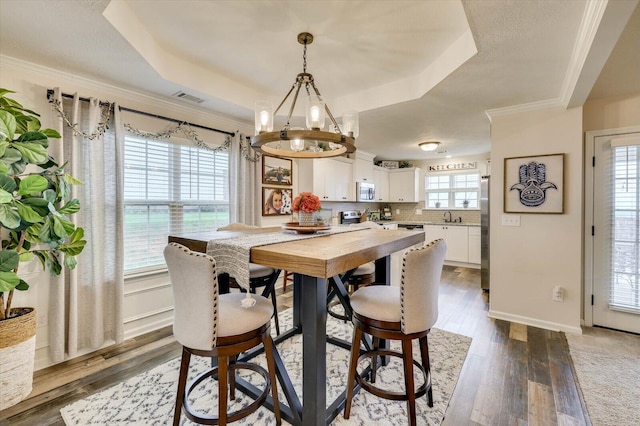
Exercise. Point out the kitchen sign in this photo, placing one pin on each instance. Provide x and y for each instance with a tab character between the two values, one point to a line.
453	166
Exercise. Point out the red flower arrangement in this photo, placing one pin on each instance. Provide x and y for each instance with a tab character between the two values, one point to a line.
307	202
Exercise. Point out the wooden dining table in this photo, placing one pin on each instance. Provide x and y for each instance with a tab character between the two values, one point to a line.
315	262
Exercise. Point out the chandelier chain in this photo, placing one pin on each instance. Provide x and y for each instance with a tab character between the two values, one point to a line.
304	58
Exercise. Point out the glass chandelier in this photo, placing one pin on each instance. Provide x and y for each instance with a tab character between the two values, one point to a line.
312	142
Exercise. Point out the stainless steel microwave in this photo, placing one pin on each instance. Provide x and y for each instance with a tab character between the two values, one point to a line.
366	191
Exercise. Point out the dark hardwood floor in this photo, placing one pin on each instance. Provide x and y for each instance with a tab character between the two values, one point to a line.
513	375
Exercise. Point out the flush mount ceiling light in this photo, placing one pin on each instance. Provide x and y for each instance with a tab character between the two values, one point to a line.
429	146
312	142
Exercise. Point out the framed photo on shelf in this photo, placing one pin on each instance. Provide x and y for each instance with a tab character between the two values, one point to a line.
276	201
277	171
390	164
534	184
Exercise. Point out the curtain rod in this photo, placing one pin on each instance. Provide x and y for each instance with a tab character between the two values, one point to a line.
148	114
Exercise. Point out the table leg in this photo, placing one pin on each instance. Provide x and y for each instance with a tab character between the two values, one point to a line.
297	301
383	270
383	277
314	364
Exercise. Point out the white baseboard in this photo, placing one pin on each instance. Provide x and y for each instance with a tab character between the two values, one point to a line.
533	322
462	264
145	323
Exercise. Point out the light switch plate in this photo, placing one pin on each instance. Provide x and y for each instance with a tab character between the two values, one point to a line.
418	211
510	220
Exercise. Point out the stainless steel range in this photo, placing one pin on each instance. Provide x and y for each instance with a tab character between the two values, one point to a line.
350	216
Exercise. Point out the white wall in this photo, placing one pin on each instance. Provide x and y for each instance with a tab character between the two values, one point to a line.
148	302
546	249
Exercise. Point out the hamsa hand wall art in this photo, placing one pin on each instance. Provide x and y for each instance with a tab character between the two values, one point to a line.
534	184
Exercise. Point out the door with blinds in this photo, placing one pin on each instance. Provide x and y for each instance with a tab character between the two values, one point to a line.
616	232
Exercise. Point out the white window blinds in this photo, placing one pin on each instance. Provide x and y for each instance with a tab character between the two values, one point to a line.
170	188
625	226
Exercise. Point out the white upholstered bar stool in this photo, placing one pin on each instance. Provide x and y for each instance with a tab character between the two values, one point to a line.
209	324
403	313
259	276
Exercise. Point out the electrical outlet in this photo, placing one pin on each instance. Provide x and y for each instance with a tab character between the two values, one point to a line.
510	220
418	212
558	294
397	211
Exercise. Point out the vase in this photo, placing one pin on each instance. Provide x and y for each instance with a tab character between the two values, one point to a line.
17	353
306	219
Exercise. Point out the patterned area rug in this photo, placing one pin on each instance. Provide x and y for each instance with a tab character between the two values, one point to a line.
608	367
147	399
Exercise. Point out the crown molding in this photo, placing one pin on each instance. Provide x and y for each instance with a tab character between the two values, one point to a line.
531	106
123	95
593	13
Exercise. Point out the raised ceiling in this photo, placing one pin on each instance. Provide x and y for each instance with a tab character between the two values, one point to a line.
416	70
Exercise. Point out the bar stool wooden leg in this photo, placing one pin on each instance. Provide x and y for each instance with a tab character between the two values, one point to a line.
408	380
271	364
232	378
223	374
288	277
374	359
182	384
426	363
353	364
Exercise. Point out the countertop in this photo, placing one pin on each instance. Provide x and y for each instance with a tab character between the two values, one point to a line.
409	222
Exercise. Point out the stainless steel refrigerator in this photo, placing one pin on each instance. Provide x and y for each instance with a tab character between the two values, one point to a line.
484	232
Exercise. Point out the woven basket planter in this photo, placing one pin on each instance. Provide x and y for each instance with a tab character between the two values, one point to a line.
17	352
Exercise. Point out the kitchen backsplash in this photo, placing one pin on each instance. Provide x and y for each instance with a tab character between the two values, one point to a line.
407	211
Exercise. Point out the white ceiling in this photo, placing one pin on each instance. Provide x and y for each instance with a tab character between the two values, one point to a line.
416	70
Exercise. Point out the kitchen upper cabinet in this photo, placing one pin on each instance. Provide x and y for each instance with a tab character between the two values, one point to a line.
330	179
341	180
457	238
381	180
474	244
363	166
404	185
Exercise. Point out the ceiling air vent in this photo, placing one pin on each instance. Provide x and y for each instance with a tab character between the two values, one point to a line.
188	97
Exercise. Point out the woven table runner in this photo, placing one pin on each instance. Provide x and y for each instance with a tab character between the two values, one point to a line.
232	254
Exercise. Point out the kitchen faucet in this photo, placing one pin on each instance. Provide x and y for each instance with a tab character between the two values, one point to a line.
445	216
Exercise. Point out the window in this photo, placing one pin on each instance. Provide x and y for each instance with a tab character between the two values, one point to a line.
625	229
452	190
169	188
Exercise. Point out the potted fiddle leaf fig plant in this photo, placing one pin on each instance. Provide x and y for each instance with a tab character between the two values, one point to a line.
35	206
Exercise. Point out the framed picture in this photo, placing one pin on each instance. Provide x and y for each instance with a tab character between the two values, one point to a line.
276	201
390	164
534	184
276	171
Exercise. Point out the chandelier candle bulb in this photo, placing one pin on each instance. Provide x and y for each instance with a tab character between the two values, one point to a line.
297	145
351	124
315	113
263	117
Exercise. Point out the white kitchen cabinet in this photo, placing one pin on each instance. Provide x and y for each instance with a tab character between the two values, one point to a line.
363	166
330	179
381	180
457	238
474	244
404	185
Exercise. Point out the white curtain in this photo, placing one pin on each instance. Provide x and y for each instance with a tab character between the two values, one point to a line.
86	303
244	204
